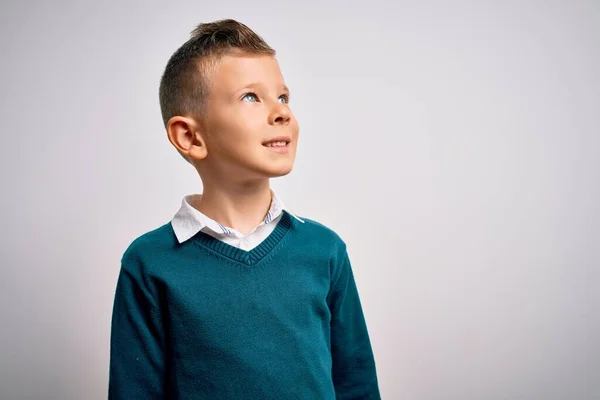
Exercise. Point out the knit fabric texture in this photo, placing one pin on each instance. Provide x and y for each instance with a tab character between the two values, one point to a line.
205	320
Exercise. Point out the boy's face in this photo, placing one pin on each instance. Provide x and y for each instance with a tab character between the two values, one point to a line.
247	106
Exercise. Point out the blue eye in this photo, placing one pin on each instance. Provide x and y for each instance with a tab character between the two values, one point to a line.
250	96
285	98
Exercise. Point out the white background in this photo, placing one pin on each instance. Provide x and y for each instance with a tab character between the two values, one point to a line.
452	145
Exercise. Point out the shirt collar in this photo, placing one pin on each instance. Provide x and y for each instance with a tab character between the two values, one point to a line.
188	221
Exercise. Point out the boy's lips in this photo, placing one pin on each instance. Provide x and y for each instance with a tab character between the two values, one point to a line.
286	139
279	149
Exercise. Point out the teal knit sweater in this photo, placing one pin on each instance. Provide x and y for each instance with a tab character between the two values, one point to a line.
206	320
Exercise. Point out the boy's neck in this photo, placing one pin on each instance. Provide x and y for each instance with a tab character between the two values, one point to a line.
241	207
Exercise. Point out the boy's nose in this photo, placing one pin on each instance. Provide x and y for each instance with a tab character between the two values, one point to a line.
280	115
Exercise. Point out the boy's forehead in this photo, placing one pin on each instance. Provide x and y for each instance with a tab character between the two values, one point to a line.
236	71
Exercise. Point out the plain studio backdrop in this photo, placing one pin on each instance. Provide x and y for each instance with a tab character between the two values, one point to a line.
452	145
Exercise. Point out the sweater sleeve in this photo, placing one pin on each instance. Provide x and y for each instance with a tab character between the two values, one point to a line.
137	361
354	373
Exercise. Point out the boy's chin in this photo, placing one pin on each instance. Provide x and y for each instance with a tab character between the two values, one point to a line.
277	172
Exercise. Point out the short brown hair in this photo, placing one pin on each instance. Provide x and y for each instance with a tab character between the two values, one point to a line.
185	83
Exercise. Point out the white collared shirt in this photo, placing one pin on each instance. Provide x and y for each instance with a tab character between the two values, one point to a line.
188	221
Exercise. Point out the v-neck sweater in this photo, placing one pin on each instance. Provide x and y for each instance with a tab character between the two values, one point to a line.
204	319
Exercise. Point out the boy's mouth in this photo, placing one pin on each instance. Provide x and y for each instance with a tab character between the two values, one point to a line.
278	147
278	144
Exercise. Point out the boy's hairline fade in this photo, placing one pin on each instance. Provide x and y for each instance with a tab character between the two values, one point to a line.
186	80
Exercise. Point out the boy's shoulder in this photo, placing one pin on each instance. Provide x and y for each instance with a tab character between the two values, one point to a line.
322	233
320	228
150	244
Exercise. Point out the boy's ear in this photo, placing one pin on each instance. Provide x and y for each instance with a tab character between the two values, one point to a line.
185	134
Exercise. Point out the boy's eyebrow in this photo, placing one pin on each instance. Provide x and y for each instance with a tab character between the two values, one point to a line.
258	84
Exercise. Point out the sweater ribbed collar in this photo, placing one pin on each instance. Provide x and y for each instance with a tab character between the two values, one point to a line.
253	256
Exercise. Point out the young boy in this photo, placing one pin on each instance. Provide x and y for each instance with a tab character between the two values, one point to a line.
236	297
